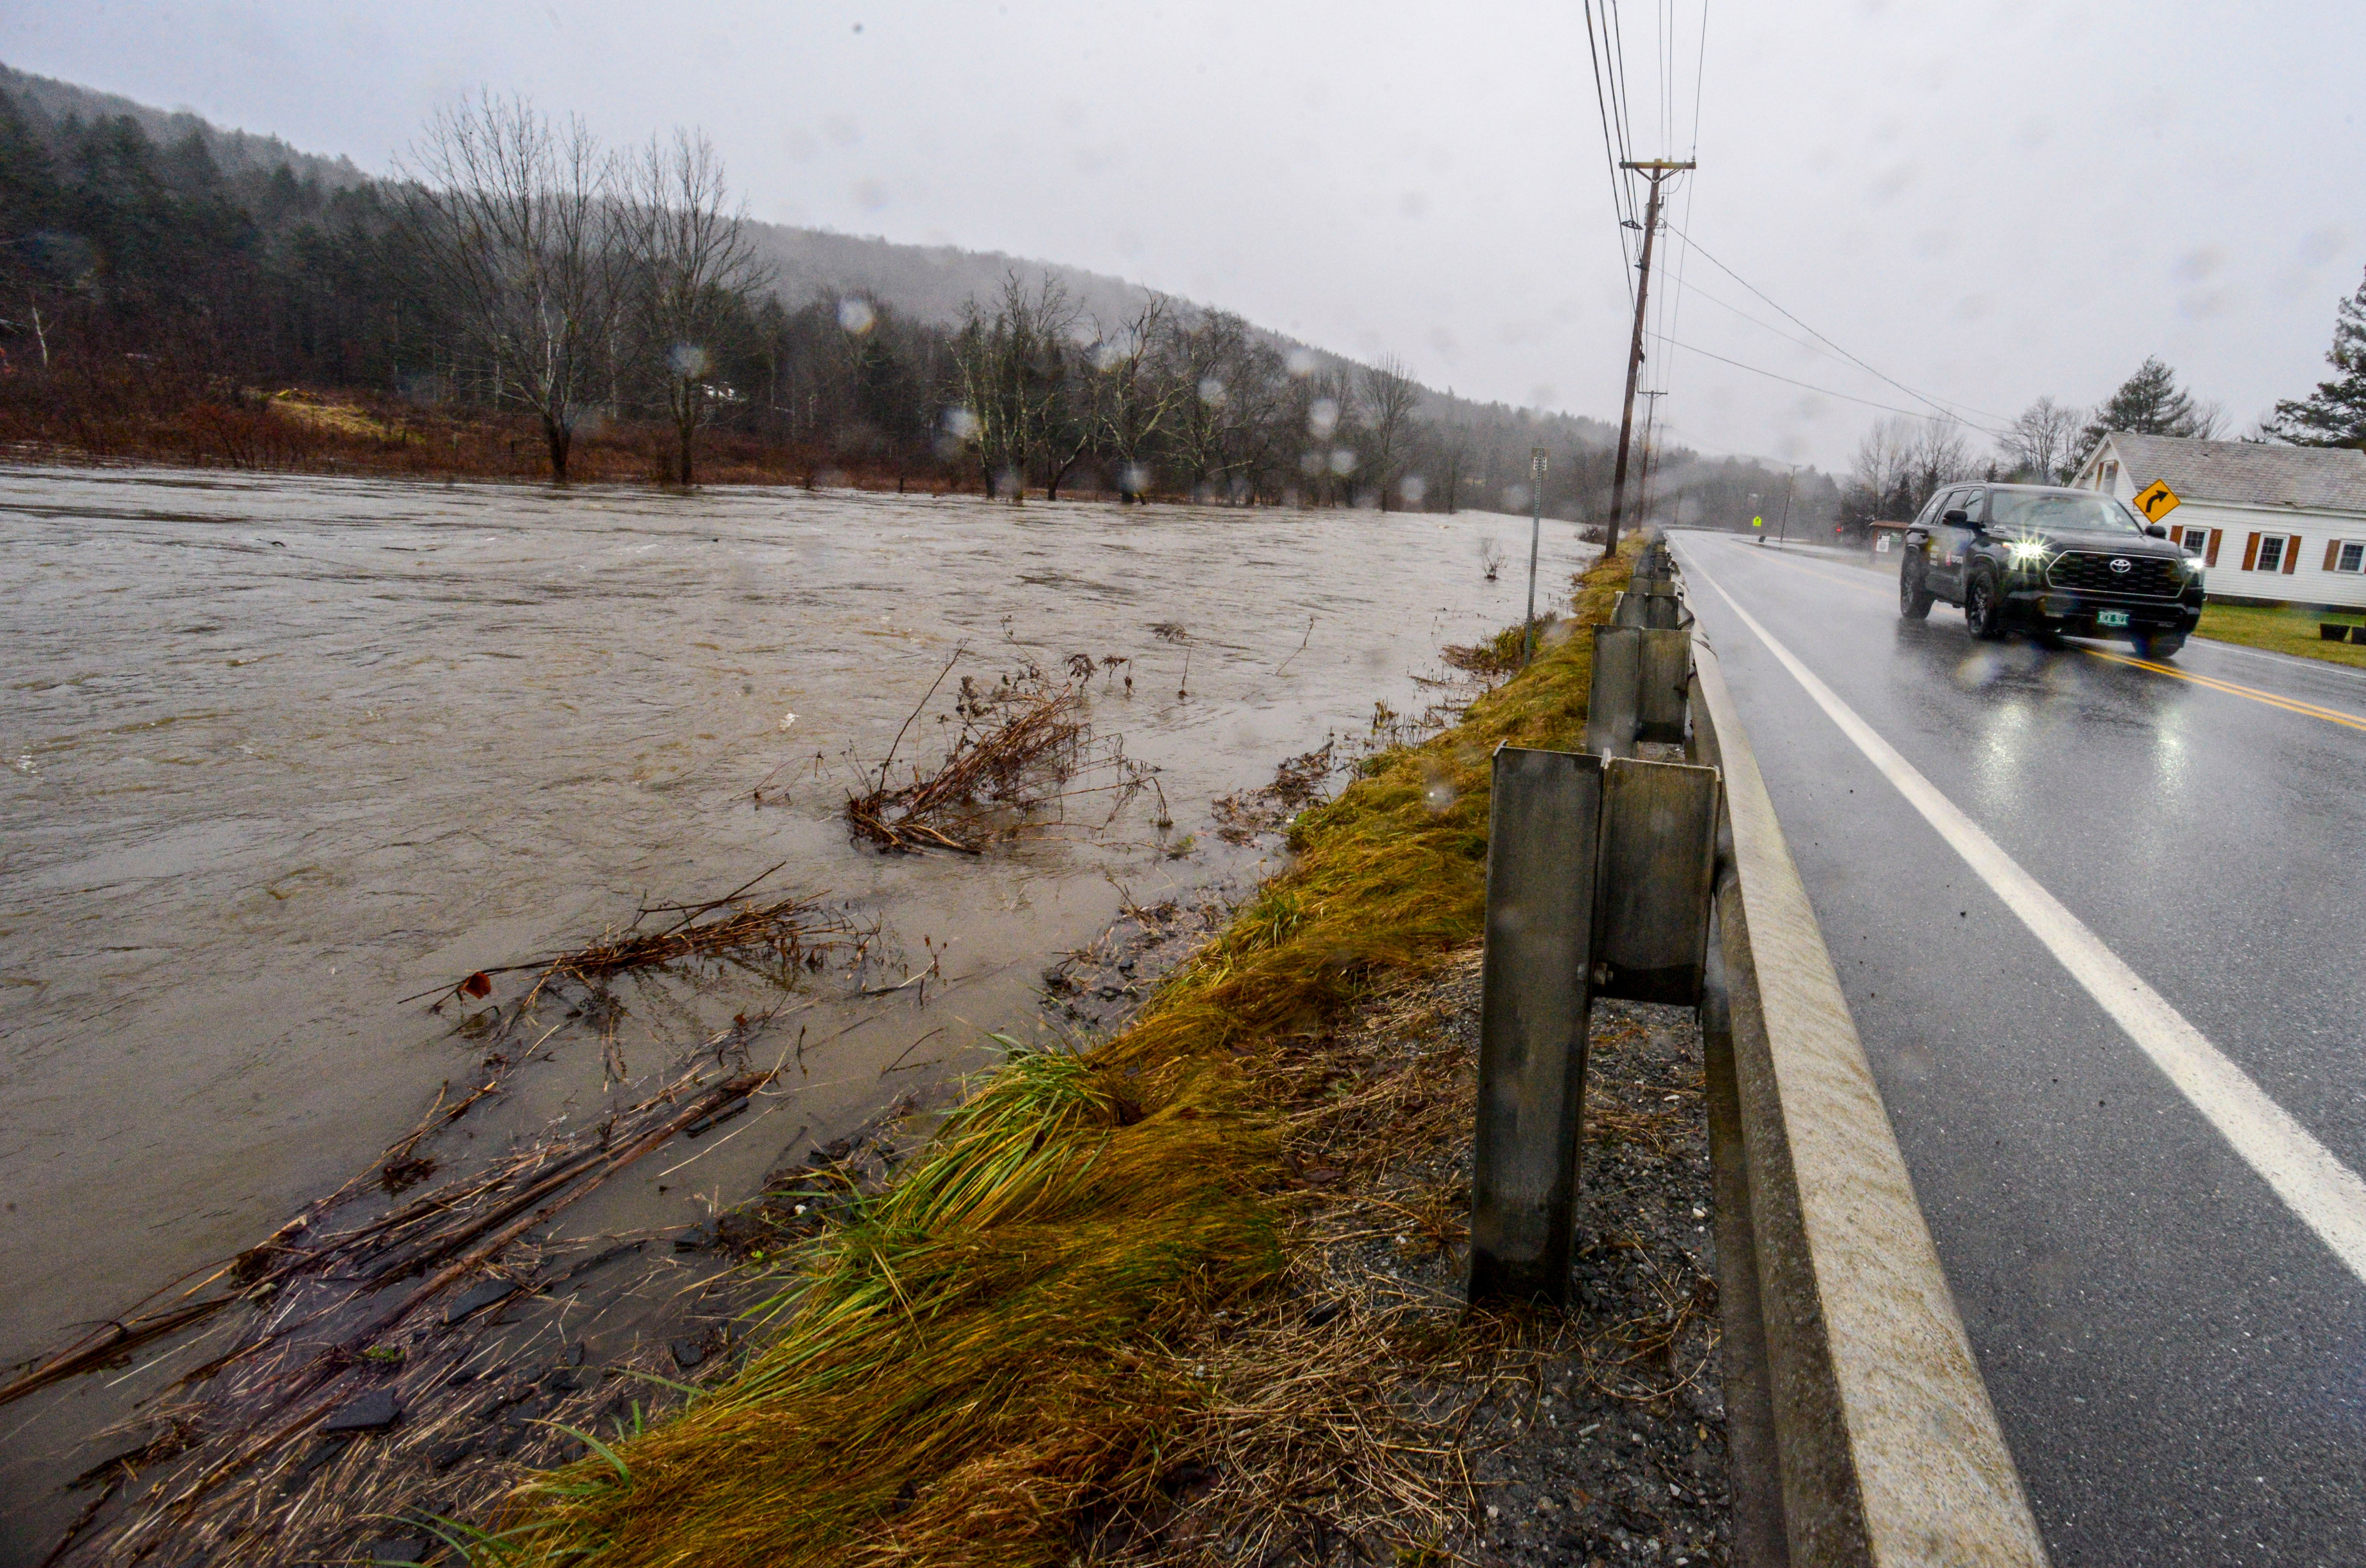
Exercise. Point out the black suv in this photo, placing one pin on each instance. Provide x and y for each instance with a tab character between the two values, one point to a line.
2050	561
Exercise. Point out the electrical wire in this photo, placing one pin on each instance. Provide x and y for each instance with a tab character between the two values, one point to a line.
1698	292
1623	100
1826	391
1938	406
1700	76
1610	157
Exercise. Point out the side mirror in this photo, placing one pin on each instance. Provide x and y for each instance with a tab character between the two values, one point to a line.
2157	531
1956	517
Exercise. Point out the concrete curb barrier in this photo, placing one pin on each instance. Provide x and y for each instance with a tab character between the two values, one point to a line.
1860	1430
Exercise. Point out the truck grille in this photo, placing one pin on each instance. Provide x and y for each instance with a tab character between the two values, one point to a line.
2148	576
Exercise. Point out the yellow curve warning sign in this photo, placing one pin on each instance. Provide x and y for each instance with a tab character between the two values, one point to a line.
2157	501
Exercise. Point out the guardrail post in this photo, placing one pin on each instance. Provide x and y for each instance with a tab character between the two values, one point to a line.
1651	909
1663	674
1611	719
1543	820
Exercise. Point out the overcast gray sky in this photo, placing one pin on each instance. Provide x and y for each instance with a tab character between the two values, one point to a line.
1983	201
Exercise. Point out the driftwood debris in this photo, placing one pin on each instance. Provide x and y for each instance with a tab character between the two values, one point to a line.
780	935
1022	748
322	1320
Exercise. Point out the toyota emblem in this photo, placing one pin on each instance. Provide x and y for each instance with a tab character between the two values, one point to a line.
2120	563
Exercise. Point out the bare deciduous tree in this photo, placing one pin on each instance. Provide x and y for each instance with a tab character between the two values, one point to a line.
1938	455
1898	463
2039	443
1390	398
1204	360
1011	365
516	216
695	268
1132	398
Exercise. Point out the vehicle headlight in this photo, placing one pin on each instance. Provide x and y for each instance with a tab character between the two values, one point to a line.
2193	567
2027	553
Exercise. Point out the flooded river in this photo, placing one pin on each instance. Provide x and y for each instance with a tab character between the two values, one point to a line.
276	753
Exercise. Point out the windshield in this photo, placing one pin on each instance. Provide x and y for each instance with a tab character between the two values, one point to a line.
2013	512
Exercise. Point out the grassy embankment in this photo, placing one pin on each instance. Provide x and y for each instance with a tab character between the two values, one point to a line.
968	1371
2281	629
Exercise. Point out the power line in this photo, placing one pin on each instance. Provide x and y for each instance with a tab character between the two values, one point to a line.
1623	100
1700	76
1610	155
1827	391
1807	343
1925	398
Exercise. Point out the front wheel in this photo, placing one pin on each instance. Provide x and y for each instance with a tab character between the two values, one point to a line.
1983	607
1913	598
2159	645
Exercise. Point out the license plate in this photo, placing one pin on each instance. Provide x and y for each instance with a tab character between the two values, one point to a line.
2110	617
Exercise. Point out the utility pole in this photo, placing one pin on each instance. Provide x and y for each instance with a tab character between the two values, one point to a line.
1535	535
1656	170
1643	488
1785	527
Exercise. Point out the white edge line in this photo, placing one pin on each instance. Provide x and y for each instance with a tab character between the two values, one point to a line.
2326	1195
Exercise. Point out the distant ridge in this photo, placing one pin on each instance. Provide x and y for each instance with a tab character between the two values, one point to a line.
235	152
927	282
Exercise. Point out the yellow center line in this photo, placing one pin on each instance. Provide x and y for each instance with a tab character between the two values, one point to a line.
2231	688
2289	704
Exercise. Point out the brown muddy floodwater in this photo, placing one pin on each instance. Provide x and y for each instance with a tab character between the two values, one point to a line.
277	752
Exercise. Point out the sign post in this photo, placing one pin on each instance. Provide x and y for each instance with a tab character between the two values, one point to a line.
1535	534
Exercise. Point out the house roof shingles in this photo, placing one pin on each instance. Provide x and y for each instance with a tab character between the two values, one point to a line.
2313	478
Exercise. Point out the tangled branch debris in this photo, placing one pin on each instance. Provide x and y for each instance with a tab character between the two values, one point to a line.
327	1326
1304	781
1022	748
275	1344
775	940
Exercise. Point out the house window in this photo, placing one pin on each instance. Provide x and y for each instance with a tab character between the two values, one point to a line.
2271	552
2195	539
2351	557
2109	479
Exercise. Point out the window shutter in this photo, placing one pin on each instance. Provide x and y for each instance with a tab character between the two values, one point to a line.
2209	558
2332	553
2291	554
2251	553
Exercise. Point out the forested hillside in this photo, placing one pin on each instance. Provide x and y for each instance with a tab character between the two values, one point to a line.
177	291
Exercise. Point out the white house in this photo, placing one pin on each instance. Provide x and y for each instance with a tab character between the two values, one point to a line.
2272	523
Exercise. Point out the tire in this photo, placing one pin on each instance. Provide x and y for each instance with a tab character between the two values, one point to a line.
1913	599
1983	608
2159	645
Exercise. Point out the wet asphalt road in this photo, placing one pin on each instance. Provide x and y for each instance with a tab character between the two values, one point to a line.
2178	1362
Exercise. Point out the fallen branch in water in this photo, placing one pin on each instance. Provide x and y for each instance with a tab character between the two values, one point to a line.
1018	748
329	1319
793	932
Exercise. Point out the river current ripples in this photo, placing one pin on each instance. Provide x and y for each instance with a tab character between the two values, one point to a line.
275	752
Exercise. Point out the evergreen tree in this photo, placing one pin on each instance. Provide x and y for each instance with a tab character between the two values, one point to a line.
2149	403
2335	414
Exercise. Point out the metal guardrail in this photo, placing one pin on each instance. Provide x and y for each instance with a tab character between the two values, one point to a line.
1859	1429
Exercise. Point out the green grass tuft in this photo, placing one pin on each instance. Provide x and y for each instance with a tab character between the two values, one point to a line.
2281	629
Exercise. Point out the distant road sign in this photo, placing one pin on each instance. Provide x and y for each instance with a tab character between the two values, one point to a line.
2157	502
1758	522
